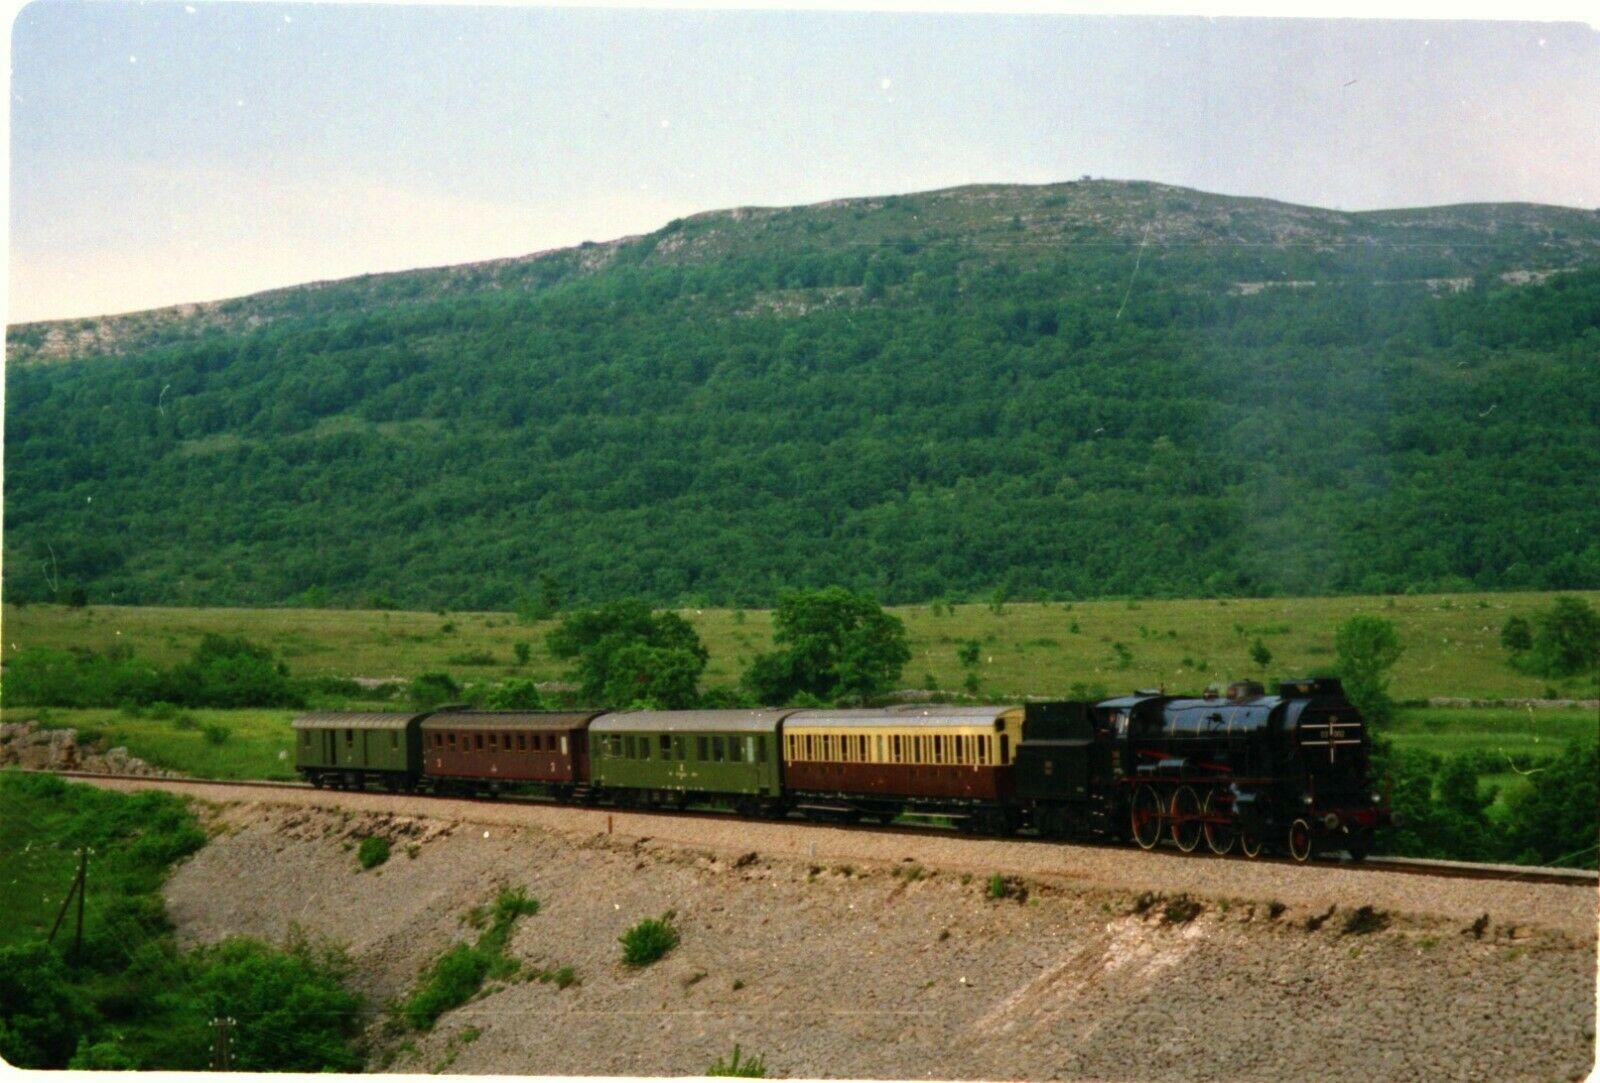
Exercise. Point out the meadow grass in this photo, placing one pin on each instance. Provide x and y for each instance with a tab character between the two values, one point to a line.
259	743
1452	642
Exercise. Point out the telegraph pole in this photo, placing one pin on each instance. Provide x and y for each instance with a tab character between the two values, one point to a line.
78	880
222	1045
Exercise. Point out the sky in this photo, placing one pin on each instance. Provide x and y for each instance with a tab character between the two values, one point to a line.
173	152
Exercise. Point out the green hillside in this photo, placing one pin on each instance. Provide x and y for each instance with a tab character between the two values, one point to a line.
1078	390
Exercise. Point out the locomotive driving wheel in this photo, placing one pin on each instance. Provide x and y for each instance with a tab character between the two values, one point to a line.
1220	834
1249	845
1186	825
1146	817
1300	840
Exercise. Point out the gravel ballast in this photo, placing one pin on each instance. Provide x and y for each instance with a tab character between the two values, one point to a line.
837	953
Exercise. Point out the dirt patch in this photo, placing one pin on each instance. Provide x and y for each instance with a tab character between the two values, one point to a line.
857	969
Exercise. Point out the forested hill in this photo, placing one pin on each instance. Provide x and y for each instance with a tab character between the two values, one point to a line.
1071	390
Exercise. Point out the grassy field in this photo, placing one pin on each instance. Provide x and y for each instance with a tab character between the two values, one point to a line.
207	743
1038	649
1452	648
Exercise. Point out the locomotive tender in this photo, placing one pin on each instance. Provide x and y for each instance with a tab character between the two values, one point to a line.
1244	770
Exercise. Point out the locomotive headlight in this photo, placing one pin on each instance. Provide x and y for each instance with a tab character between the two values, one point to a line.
1331	821
1376	800
1305	799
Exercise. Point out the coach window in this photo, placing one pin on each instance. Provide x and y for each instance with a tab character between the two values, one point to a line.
349	737
1005	748
477	741
759	755
492	737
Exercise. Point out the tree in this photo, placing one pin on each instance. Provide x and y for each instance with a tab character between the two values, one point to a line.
1566	640
1367	648
833	644
643	677
605	647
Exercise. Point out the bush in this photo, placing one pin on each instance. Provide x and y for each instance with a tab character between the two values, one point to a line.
519	694
432	689
998	888
456	975
648	941
374	851
41	1012
294	1014
215	734
450	982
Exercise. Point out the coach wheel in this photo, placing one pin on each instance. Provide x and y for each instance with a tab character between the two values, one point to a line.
1186	819
316	782
1300	840
1145	818
1220	834
1249	845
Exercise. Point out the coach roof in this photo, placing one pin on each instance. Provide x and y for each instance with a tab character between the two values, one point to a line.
357	720
689	722
919	716
508	720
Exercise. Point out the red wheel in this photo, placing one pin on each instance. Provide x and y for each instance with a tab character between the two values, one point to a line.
1146	817
1300	841
1186	826
1220	834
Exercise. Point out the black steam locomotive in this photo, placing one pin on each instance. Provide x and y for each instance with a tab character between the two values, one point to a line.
1241	770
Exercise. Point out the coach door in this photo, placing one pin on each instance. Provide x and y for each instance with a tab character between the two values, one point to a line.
330	747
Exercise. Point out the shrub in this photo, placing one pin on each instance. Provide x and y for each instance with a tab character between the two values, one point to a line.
450	982
432	689
751	1068
998	888
41	1012
300	1016
473	658
374	851
523	651
648	941
215	733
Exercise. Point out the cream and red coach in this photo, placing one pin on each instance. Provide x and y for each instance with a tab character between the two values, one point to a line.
940	760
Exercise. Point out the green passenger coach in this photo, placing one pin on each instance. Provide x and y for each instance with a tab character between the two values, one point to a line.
647	758
348	749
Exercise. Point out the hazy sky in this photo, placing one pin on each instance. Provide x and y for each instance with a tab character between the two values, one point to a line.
183	152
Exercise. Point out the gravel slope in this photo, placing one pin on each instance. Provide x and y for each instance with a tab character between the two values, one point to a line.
848	964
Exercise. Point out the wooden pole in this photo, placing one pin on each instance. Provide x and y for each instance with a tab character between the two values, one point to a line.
83	887
77	880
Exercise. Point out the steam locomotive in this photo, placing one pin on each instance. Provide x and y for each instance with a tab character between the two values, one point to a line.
1240	770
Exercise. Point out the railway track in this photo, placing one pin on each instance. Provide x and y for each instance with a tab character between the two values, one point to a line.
1584	878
